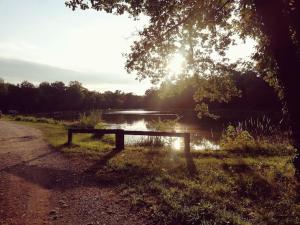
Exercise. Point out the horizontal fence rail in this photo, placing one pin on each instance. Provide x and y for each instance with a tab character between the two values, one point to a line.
121	133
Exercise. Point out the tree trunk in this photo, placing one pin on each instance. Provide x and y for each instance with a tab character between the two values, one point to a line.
276	27
295	17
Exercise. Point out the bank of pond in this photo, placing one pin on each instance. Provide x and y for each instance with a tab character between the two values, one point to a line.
205	133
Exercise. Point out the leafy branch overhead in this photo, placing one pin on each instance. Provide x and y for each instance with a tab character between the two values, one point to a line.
190	26
195	29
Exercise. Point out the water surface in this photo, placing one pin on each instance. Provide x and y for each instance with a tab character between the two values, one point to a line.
140	120
204	134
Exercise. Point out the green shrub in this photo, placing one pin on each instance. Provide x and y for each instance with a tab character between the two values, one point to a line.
238	141
163	125
93	120
234	137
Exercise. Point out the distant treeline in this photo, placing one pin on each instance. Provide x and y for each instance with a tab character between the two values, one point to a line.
256	94
26	97
57	96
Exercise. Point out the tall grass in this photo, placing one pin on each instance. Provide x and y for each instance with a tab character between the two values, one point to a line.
260	136
163	125
158	125
266	130
91	120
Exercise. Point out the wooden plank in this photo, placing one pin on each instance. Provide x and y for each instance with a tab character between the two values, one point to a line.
129	132
95	131
155	133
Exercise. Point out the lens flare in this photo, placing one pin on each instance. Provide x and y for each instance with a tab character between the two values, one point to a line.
176	64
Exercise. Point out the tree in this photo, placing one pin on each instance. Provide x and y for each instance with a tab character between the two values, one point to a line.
151	98
75	95
28	96
46	96
199	28
3	94
59	95
3	88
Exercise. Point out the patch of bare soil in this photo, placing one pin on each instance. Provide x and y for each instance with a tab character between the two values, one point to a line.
40	186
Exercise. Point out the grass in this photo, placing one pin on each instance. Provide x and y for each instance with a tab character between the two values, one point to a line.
239	185
158	125
35	119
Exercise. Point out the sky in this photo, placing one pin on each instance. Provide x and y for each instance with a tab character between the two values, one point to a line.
46	41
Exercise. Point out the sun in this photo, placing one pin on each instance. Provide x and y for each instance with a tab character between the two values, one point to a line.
176	64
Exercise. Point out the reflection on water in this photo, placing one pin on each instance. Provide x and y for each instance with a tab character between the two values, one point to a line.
200	139
177	144
136	125
140	112
205	144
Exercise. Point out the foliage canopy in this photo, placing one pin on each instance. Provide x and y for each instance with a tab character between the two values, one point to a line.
201	31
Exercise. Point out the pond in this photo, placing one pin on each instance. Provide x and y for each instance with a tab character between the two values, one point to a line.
141	120
204	133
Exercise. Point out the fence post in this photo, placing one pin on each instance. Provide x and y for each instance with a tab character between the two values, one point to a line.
70	136
120	140
187	151
187	140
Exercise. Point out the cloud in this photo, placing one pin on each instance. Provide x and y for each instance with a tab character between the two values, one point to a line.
12	49
15	71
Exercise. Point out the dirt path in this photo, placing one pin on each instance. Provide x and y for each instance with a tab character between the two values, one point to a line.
40	186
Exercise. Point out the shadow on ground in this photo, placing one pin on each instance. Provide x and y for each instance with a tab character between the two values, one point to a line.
251	183
49	177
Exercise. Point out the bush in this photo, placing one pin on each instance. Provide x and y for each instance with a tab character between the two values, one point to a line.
163	125
234	137
241	142
93	120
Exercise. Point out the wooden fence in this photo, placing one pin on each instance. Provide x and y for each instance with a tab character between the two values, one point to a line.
121	133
